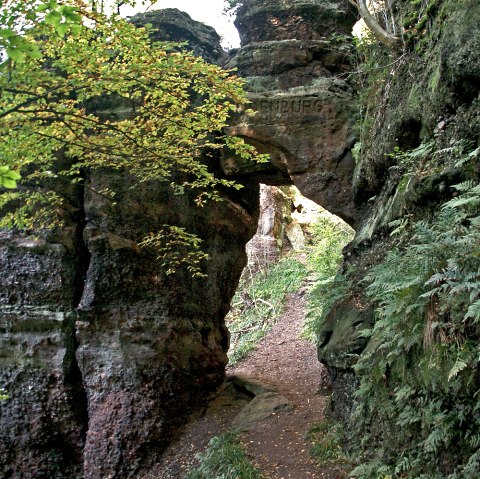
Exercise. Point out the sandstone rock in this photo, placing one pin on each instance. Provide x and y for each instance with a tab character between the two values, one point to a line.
151	346
295	236
259	408
253	387
340	338
264	20
304	111
171	24
101	352
432	96
42	425
265	247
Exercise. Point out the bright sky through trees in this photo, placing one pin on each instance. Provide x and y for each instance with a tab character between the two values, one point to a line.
206	11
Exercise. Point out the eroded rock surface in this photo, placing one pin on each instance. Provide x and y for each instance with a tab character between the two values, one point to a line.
102	353
293	55
151	346
119	367
43	424
171	24
428	96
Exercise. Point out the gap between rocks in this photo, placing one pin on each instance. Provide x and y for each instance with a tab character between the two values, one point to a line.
289	390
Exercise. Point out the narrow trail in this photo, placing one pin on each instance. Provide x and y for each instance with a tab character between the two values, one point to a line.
289	364
277	444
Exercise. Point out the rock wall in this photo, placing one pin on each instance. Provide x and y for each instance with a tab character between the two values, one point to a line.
43	424
102	354
97	382
429	95
151	346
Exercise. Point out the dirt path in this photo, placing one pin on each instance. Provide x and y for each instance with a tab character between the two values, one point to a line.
289	364
276	444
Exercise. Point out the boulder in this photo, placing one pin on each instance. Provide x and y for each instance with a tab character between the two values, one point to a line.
259	408
263	20
173	25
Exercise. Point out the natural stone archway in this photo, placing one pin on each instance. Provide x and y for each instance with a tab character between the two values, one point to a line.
292	57
101	352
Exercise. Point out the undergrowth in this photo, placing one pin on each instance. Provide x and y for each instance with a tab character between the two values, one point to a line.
258	301
329	236
327	437
224	459
418	403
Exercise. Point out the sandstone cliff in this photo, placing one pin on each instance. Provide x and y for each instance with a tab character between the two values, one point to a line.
103	354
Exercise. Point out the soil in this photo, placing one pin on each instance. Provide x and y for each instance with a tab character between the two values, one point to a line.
277	444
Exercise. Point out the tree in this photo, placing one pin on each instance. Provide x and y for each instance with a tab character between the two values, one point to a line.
66	61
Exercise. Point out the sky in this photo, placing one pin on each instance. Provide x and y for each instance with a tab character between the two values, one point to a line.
206	11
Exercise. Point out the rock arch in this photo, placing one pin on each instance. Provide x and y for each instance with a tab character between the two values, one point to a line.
98	385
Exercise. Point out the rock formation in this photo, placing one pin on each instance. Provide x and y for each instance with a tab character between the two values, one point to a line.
101	352
293	56
173	25
429	96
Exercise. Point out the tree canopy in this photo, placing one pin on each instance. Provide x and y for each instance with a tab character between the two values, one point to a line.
63	61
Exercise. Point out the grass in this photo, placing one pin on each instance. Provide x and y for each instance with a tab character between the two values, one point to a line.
329	236
258	302
224	459
326	437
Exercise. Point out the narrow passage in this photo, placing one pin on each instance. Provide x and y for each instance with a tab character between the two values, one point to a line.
276	444
288	363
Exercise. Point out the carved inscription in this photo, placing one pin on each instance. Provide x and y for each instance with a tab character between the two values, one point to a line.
275	108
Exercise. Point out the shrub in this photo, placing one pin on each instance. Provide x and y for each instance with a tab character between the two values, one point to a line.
418	403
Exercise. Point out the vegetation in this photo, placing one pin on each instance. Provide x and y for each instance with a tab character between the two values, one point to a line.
224	459
258	301
327	437
83	91
375	65
329	236
418	405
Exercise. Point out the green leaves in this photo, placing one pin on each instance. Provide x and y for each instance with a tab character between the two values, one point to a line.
20	32
63	18
425	349
110	99
8	177
17	47
3	395
176	248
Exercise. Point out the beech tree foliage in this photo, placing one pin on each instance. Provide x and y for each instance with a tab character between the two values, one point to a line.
63	60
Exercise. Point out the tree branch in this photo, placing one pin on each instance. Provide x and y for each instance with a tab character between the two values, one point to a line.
380	34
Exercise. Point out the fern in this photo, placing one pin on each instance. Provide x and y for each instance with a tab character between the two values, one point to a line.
417	411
